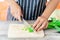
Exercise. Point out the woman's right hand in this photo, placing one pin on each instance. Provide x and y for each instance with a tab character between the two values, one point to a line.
15	10
16	13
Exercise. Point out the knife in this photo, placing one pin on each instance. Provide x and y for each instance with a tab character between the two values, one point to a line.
28	26
21	19
26	23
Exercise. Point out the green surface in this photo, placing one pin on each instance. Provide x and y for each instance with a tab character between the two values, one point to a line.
54	24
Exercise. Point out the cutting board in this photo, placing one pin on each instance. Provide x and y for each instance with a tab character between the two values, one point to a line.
15	31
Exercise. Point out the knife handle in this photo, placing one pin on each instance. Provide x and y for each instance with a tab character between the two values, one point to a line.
20	19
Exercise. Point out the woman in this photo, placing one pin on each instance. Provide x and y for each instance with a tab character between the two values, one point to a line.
34	9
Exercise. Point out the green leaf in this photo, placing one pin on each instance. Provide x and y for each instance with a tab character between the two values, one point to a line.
29	29
57	28
53	23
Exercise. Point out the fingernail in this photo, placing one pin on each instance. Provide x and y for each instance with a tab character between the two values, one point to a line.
39	30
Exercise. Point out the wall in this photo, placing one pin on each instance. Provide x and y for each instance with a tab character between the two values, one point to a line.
3	10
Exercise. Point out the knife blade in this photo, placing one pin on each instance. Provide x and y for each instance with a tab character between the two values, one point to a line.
21	19
26	23
28	26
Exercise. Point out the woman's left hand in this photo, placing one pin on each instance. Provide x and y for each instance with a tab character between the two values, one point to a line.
41	23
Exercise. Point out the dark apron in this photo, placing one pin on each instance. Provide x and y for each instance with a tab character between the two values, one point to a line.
31	8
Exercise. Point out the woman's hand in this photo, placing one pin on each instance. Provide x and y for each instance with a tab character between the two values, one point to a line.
16	12
15	9
41	23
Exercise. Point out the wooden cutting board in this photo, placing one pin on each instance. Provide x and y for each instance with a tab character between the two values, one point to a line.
15	31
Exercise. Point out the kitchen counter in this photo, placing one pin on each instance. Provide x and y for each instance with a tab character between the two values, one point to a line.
50	34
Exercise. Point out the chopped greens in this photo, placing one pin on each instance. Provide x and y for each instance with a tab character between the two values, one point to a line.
29	29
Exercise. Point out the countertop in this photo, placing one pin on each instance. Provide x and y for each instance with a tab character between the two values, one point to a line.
50	34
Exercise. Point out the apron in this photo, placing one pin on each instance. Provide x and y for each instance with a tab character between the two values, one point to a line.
31	9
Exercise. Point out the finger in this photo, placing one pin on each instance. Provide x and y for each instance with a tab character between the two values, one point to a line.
46	26
43	25
39	24
35	24
21	14
15	14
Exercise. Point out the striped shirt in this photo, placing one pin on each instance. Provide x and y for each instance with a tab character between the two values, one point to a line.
32	8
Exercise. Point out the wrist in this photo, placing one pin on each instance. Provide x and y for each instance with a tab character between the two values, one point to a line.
44	17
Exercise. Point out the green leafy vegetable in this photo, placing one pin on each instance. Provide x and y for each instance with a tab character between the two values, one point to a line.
54	24
29	29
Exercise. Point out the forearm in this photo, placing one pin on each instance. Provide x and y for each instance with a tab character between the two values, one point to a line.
50	8
14	6
13	3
